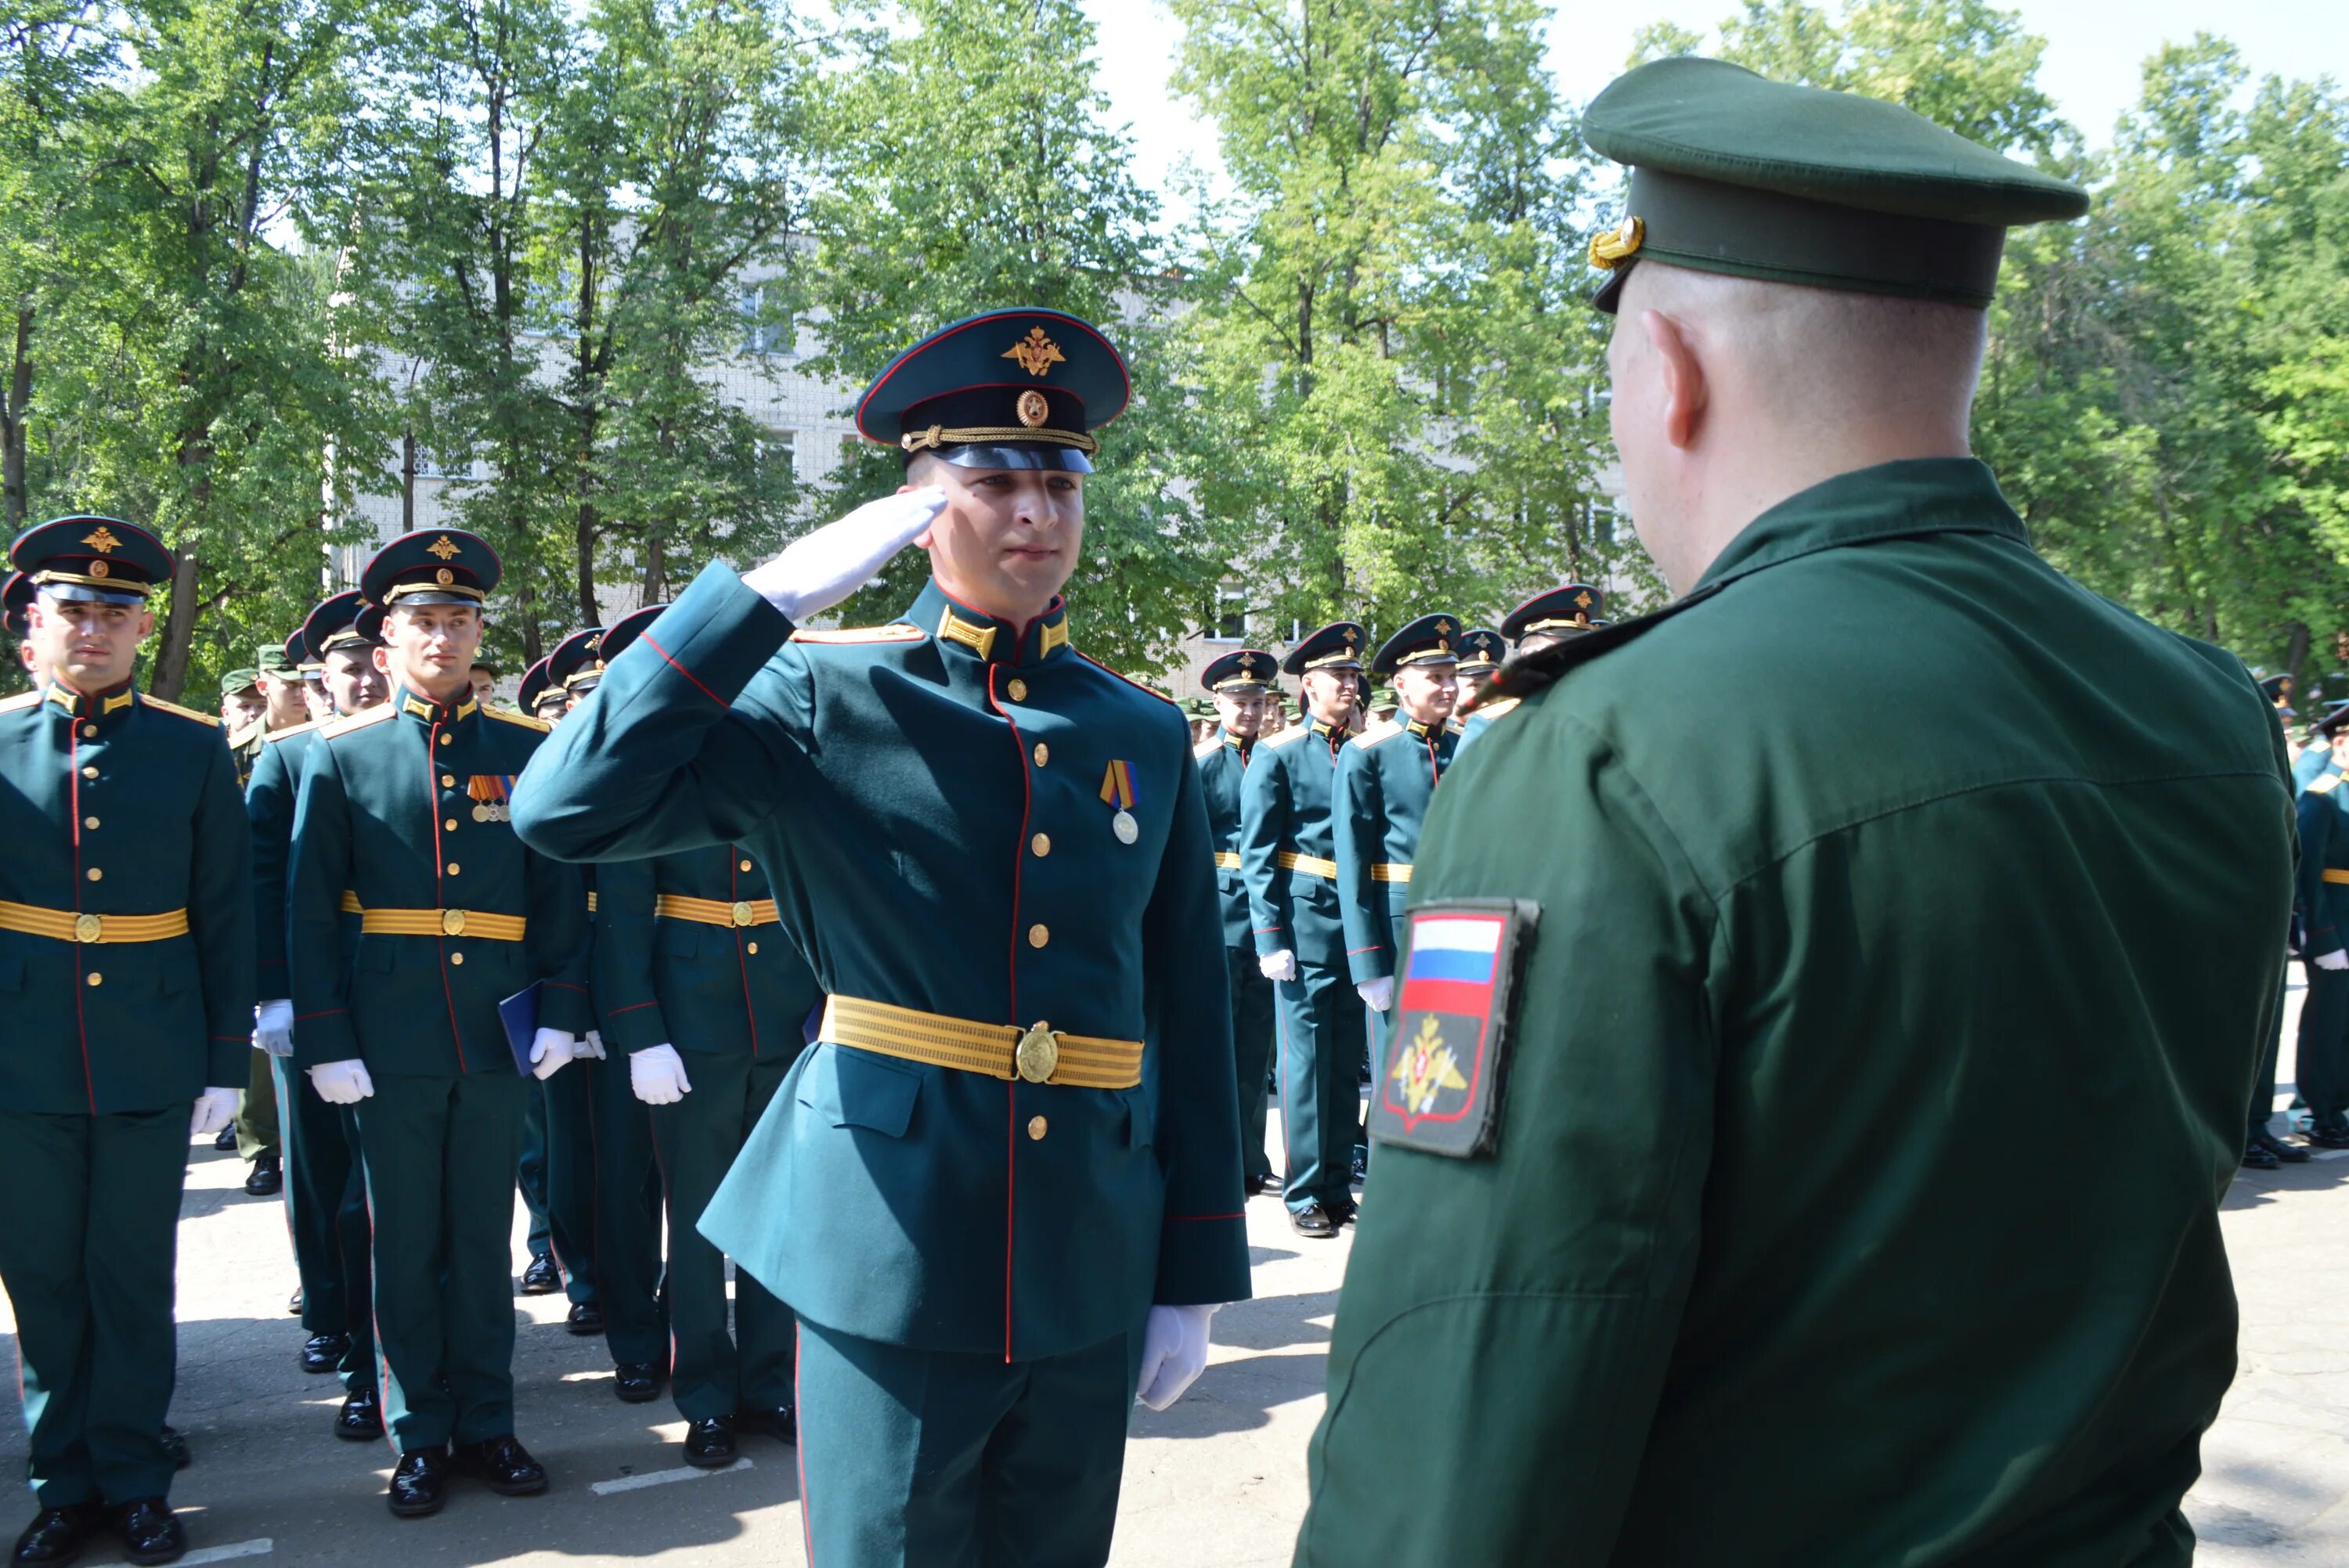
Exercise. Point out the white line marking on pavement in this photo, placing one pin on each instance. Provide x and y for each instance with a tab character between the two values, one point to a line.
656	1477
260	1547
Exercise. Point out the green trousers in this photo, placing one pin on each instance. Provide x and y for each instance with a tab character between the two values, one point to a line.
913	1458
439	1153
2323	1060
326	1214
1252	1038
87	1252
627	1207
1324	1035
563	1197
713	1372
257	1110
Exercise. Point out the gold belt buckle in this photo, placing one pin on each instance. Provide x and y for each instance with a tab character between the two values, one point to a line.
1038	1054
88	927
453	923
743	913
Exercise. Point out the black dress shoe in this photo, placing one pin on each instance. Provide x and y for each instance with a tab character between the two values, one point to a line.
226	1141
177	1447
150	1532
501	1464
268	1178
325	1352
542	1278
637	1382
779	1423
1265	1186
2258	1159
419	1483
294	1303
57	1536
585	1317
1314	1220
2328	1136
360	1420
709	1444
2290	1154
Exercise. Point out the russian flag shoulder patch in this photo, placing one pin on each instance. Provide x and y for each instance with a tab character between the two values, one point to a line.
1447	1059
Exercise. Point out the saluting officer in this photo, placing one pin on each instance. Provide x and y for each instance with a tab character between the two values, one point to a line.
326	1198
126	950
705	999
1386	777
1007	1176
404	806
1237	682
1289	851
1744	961
1550	617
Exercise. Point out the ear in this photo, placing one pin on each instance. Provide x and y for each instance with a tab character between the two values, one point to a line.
380	656
146	624
1683	378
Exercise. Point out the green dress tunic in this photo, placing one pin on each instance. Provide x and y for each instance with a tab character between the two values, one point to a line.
1763	1264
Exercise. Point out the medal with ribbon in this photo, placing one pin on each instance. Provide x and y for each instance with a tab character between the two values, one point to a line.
1117	789
490	792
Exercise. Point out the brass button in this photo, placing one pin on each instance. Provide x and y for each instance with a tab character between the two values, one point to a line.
1043	754
444	740
451	825
90	821
453	923
89	772
1038	937
89	732
95	874
754	948
1041	844
89	928
452	868
746	865
456	958
743	913
1018	689
447	780
1037	1127
96	978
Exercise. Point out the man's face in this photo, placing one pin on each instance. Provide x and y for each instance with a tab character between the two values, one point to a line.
1242	713
430	647
315	702
1429	692
284	696
353	684
2340	747
239	709
1007	538
1330	694
485	681
91	647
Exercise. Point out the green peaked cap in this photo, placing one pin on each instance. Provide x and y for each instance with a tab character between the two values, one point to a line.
1733	173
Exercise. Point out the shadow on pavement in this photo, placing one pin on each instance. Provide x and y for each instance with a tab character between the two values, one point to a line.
2253	1187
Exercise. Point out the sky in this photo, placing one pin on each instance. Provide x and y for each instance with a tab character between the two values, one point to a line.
2092	66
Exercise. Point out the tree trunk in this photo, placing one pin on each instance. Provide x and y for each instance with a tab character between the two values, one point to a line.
12	423
656	572
179	631
407	481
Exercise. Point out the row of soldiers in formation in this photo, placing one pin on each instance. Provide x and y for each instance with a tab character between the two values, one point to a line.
2320	939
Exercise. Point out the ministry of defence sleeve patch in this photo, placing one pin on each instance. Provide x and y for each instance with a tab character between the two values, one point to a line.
1448	1059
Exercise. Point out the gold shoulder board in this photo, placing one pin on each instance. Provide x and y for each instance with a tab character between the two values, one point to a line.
1146	690
507	716
1375	734
282	734
894	632
1496	709
1289	736
339	727
22	699
1207	748
2325	785
183	712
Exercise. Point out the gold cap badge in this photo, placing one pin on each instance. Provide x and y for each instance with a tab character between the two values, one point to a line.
443	548
101	538
1032	408
1036	353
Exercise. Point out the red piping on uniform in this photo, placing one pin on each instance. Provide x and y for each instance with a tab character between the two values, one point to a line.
440	894
899	363
646	640
1011	1090
327	1014
631	1007
73	799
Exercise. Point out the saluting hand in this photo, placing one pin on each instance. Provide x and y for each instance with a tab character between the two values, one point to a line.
818	571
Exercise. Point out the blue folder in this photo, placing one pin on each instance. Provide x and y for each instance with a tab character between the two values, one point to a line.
519	1013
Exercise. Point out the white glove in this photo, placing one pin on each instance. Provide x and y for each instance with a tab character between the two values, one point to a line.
215	1109
1377	995
1282	965
272	1027
591	1045
2332	960
818	571
342	1083
549	1049
1173	1351
658	1075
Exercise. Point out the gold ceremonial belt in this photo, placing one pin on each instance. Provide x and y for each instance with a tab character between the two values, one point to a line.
1038	1054
2330	875
1227	860
351	902
65	925
1311	865
711	912
1387	871
442	922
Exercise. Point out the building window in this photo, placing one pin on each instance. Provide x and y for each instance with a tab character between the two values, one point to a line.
433	464
1226	620
767	327
780	449
1599	516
